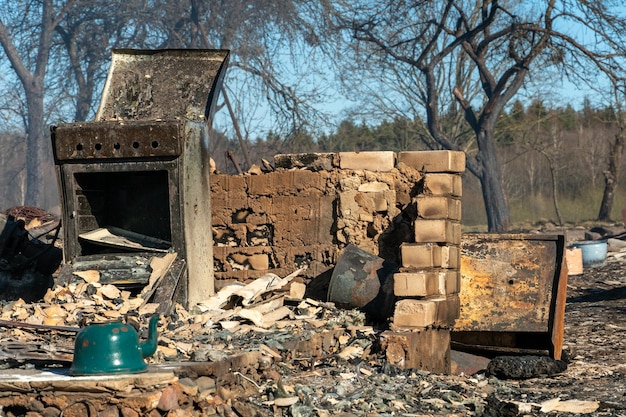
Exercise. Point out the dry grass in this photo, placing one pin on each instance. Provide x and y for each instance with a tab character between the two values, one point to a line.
580	209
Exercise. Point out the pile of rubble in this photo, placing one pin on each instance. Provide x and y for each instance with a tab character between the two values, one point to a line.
264	305
265	349
312	359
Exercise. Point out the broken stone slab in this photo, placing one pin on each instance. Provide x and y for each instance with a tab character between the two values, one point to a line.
373	187
438	207
312	161
443	184
60	380
464	363
410	313
424	349
429	255
440	161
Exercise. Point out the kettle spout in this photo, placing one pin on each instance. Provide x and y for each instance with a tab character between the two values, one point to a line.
149	346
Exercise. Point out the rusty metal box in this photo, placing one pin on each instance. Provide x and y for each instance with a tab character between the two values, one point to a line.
513	291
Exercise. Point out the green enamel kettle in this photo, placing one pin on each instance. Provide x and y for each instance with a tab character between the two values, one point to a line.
112	348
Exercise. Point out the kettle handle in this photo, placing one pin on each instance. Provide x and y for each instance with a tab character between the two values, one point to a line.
149	346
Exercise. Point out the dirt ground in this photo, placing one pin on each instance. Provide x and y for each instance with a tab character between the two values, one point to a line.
595	330
593	384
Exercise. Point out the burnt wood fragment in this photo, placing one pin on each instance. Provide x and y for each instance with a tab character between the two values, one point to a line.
524	367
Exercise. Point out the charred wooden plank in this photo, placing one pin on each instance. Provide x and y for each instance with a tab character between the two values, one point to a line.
165	293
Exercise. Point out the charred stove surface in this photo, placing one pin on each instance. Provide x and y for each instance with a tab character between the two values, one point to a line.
512	292
163	84
106	140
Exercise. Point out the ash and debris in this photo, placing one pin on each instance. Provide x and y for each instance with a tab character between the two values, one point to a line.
313	360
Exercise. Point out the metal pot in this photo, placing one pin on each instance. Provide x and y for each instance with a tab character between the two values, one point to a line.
112	347
593	252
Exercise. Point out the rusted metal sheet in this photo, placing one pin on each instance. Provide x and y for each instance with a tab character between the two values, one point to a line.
106	140
512	292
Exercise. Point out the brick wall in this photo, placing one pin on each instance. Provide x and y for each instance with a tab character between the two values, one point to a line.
404	207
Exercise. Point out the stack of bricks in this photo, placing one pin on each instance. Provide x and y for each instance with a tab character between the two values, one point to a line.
427	284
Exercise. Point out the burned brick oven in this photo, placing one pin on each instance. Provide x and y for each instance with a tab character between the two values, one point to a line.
135	181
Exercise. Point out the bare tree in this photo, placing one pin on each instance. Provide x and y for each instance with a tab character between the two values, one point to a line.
611	174
476	55
270	71
266	77
26	31
552	154
59	50
87	36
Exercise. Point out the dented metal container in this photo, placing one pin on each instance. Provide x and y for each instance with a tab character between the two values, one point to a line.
593	252
137	179
362	280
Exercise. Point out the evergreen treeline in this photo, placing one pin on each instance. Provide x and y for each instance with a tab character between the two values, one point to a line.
542	149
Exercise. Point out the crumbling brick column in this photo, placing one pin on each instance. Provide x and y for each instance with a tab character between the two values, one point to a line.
427	284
